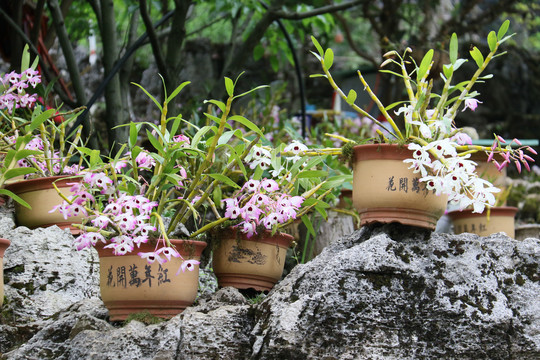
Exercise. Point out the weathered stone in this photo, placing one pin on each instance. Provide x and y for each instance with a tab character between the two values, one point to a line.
385	292
43	271
399	294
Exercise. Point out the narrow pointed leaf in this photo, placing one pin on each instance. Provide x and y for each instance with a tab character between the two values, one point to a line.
503	29
317	46
492	41
453	48
229	86
328	58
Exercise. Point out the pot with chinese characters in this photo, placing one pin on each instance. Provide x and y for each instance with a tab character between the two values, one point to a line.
250	263
499	219
42	197
130	284
4	243
385	190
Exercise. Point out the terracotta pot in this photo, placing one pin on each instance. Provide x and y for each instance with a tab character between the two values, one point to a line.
128	284
501	219
42	197
250	263
4	243
386	191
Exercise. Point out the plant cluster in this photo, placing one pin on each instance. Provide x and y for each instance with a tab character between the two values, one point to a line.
176	185
440	150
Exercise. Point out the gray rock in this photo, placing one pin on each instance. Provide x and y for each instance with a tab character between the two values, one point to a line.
44	272
393	293
388	292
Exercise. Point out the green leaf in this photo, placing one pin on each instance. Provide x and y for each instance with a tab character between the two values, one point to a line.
458	63
11	173
274	63
133	134
424	65
38	119
477	56
317	46
154	141
229	86
492	41
393	105
309	225
251	126
177	90
503	29
328	58
453	48
150	96
219	104
225	180
198	136
25	60
226	136
351	97
392	72
25	153
312	174
258	52
15	197
252	90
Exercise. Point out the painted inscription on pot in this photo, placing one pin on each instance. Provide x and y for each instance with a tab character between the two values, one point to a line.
406	185
133	276
239	255
472	228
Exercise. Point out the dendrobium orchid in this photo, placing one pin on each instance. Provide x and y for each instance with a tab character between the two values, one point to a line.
260	205
440	150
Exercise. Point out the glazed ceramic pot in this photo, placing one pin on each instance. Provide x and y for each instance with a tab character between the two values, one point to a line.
41	195
386	191
250	263
501	219
129	284
4	243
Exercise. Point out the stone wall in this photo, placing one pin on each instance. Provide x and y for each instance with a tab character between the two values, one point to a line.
384	292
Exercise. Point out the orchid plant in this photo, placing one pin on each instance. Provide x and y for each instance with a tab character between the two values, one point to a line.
440	150
28	132
287	183
174	187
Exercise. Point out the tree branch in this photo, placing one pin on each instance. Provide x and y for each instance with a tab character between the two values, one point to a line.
156	49
281	14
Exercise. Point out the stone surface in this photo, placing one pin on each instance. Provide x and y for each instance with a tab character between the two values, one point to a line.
388	292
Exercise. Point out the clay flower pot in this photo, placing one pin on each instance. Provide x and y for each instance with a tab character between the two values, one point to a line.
129	284
255	262
386	191
501	219
42	197
4	243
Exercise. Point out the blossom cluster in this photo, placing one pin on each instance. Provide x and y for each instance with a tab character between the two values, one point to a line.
47	156
455	175
260	204
14	94
120	220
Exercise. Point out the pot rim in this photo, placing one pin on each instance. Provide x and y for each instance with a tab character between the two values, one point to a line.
42	183
494	211
381	151
199	246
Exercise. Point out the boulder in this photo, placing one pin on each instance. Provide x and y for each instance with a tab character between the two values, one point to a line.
384	292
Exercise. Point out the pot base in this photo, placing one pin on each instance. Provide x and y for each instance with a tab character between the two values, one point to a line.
246	281
386	215
120	310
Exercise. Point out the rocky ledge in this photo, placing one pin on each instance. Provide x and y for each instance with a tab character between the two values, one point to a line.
384	292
